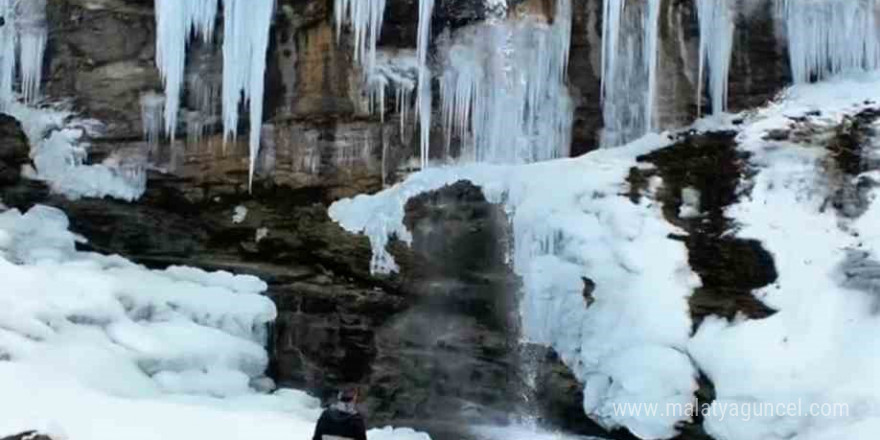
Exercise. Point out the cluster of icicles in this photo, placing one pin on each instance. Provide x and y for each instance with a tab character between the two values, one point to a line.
502	82
22	45
245	43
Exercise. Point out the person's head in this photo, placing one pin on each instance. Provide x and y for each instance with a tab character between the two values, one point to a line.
348	394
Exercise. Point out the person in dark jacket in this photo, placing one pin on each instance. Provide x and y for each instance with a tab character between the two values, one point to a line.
341	420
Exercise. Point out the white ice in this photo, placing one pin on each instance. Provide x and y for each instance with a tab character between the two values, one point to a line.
59	151
503	89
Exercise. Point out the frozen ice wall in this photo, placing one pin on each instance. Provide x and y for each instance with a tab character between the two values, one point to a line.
22	48
503	89
827	37
629	69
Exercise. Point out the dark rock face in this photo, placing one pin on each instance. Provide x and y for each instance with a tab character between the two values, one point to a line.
14	150
759	68
730	268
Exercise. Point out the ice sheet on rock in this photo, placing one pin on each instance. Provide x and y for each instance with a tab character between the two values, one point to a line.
59	152
571	222
815	349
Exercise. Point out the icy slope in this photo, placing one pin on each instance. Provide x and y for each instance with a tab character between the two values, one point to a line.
821	347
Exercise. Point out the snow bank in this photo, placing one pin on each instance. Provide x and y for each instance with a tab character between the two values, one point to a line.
571	221
98	348
819	348
59	154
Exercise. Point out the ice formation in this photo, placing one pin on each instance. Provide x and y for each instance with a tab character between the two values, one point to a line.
569	221
22	47
84	335
503	89
423	95
176	20
716	49
152	116
365	17
59	150
827	37
630	36
396	71
245	42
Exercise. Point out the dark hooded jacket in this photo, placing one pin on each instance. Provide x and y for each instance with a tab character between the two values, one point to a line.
339	422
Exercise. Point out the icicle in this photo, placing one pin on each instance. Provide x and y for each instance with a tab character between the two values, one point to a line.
365	17
8	61
629	69
32	28
152	108
175	20
827	37
22	48
245	42
503	91
423	99
716	47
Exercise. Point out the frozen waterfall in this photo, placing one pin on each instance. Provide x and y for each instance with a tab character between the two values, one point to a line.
716	47
503	89
22	48
629	69
827	37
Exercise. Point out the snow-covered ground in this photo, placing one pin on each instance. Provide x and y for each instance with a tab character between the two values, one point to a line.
571	219
95	347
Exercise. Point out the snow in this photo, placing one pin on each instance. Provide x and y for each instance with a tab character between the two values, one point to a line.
569	221
828	37
630	35
503	89
716	49
95	347
59	152
815	349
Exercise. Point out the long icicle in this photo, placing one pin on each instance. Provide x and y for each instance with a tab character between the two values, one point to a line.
423	100
716	47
